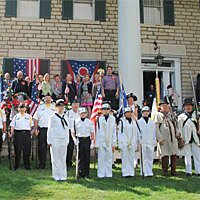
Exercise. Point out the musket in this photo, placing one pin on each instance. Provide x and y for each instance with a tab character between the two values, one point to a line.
9	143
77	161
196	105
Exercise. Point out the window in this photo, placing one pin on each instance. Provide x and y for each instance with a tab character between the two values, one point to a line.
153	12
32	9
28	9
84	10
157	12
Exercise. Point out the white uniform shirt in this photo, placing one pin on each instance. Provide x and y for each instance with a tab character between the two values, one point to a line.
2	118
43	114
72	117
83	128
22	122
188	129
106	132
128	133
56	132
148	131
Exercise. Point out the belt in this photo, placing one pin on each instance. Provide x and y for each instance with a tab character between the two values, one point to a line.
42	127
19	131
84	138
109	90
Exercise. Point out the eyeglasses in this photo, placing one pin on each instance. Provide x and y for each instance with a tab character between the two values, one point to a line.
105	108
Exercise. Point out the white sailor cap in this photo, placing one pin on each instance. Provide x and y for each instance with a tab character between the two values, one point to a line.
82	110
106	105
145	108
128	109
60	102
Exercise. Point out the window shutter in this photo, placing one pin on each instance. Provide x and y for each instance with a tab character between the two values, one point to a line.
45	9
45	66
100	10
168	6
141	12
64	69
67	9
8	66
11	8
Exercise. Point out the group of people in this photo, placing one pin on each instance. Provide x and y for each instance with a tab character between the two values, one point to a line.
62	129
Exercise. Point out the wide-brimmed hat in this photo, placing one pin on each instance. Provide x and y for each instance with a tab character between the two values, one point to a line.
129	95
128	109
188	101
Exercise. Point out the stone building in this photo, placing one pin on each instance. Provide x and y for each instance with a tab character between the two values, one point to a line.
59	30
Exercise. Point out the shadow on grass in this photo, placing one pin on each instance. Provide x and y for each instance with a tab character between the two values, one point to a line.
157	183
23	183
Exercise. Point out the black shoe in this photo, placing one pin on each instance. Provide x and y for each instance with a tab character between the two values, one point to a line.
188	174
15	169
41	166
198	175
27	168
114	166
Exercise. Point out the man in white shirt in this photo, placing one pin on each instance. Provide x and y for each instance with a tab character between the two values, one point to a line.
21	126
41	119
105	141
83	129
72	114
58	139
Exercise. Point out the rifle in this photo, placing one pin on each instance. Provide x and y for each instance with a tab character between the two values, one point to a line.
174	121
196	105
9	143
77	160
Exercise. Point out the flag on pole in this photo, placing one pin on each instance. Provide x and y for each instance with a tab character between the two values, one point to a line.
154	109
97	106
29	67
82	68
34	98
122	101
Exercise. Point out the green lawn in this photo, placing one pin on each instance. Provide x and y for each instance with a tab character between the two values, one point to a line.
37	184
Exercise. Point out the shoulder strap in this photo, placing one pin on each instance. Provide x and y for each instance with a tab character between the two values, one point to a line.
122	126
98	123
138	126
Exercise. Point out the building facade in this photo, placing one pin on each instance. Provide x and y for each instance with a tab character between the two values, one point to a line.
57	30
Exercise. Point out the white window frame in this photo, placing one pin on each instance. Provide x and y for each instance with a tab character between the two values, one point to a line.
175	68
161	12
18	10
84	1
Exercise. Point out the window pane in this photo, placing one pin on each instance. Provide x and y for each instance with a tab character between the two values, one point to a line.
83	11
28	9
152	3
152	15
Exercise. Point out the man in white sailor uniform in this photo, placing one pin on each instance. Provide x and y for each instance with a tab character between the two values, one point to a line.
58	139
2	128
188	128
105	141
128	137
21	126
83	135
148	141
72	114
41	118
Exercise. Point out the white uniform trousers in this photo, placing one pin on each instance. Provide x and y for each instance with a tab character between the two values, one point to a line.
105	158
58	159
147	156
192	150
128	157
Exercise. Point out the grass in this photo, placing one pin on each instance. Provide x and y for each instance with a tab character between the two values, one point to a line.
38	184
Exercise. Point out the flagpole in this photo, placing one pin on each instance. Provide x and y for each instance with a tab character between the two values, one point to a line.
157	83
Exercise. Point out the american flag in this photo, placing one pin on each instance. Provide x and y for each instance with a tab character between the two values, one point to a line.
97	106
122	101
29	67
34	100
1	88
82	68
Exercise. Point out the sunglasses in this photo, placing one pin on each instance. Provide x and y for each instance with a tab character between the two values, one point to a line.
105	108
